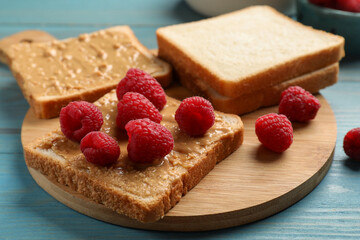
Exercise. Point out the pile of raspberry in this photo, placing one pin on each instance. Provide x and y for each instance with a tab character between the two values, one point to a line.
275	131
141	98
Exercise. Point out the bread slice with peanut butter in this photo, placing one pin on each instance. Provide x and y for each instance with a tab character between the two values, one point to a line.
144	193
52	74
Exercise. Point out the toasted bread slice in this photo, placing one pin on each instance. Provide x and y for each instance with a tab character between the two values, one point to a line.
245	103
24	36
141	192
54	73
247	50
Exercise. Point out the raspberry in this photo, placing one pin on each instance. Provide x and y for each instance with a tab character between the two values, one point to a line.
139	81
135	106
274	131
195	116
298	105
148	140
79	118
348	5
352	144
99	148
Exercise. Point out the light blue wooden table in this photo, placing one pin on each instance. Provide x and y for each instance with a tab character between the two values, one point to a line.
331	211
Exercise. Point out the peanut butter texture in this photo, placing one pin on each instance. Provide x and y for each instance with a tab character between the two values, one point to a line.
69	66
137	179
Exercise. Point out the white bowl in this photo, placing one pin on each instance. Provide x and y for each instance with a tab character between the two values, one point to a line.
217	7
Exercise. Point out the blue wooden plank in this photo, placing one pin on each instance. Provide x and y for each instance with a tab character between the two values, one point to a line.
344	100
10	142
146	35
39	216
13	105
349	70
331	211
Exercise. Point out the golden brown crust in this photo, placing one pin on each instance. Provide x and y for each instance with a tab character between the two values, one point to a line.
312	82
181	62
122	202
50	107
99	192
289	69
218	152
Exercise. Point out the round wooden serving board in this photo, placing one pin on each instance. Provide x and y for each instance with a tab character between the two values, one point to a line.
251	184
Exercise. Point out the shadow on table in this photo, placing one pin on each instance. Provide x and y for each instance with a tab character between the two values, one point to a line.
352	165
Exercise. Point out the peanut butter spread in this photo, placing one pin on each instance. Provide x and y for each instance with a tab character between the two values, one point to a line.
141	180
69	66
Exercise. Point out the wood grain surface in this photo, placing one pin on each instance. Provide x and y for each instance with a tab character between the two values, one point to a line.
330	211
251	184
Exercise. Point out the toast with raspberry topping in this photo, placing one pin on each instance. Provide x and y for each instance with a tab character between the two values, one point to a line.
144	192
52	74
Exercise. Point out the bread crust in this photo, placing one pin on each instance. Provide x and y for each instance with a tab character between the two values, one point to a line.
312	82
219	152
49	108
124	203
99	192
287	70
23	36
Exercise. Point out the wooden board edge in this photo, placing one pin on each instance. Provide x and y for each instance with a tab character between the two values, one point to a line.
89	208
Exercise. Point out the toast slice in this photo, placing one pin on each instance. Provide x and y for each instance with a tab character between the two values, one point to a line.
142	192
245	103
247	50
54	73
24	36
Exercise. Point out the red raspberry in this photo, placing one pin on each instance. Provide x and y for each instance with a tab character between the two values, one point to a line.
274	131
135	106
195	116
79	118
348	5
352	144
139	81
148	140
99	148
298	105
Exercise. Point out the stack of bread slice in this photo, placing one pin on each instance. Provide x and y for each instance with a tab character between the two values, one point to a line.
243	60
